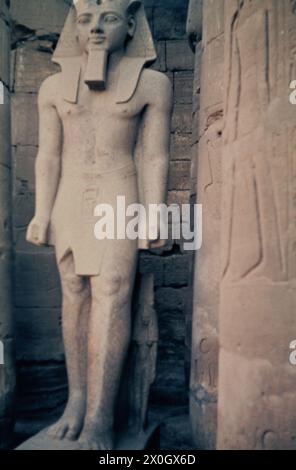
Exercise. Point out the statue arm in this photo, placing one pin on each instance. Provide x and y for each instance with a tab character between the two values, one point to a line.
47	167
155	154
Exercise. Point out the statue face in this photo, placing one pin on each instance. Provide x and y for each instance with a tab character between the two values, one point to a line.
104	26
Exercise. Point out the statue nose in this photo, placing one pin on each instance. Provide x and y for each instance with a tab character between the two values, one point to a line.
97	25
97	28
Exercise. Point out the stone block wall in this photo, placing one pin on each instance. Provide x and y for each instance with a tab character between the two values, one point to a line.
173	268
41	377
37	299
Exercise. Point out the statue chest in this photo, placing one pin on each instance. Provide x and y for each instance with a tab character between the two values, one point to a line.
98	110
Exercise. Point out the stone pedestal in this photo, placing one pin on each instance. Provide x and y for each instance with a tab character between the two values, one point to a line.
148	439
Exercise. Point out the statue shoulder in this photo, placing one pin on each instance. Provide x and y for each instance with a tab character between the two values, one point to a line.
156	86
49	90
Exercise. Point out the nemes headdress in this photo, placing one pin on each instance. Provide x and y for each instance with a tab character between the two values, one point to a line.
140	50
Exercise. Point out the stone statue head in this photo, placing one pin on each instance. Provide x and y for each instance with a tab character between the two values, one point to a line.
106	24
99	28
128	20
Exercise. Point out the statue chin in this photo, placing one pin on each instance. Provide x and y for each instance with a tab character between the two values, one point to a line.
96	71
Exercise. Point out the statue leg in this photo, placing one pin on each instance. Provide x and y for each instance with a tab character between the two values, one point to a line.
75	316
109	338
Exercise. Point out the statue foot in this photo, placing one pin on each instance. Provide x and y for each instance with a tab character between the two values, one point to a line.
70	424
93	438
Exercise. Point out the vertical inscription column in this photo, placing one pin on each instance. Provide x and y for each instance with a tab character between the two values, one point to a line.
257	384
208	132
7	375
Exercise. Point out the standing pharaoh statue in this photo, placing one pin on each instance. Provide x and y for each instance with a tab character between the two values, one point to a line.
94	114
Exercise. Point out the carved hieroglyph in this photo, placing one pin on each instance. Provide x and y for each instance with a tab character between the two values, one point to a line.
257	384
94	115
204	365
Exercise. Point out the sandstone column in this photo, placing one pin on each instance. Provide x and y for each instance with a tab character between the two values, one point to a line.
207	152
257	384
7	377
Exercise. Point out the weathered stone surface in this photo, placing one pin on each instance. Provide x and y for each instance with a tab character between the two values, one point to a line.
38	334
6	323
180	147
24	130
179	197
7	370
196	87
170	20
5	116
7	392
170	386
178	57
43	16
176	270
181	122
23	205
4	10
4	47
24	158
152	264
160	63
212	84
32	66
179	175
257	396
213	20
36	280
7	383
23	195
169	299
175	434
41	395
194	22
5	175
149	439
183	87
206	172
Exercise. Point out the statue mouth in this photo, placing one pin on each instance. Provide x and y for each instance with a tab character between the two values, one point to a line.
97	39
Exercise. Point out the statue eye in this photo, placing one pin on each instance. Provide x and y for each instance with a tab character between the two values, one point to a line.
111	18
84	19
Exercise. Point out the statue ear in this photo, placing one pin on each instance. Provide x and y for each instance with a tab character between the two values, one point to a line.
132	9
131	26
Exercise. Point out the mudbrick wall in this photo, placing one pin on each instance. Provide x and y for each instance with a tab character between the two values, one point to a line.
37	299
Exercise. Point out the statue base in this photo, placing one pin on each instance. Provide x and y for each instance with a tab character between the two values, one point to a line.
148	439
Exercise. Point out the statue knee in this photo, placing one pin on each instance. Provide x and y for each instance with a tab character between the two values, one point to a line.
111	285
73	284
114	289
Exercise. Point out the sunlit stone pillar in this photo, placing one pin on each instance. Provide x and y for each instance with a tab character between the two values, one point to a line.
208	126
257	383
